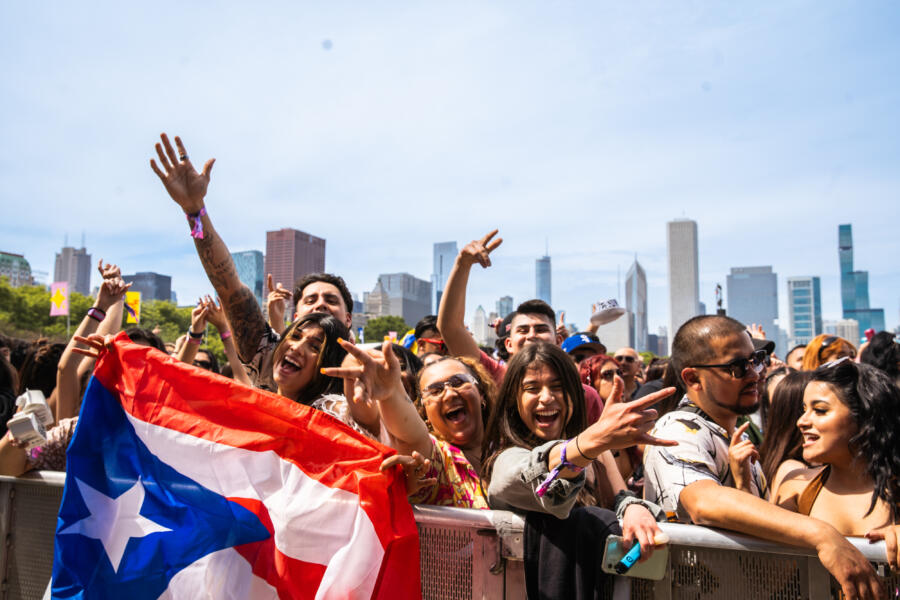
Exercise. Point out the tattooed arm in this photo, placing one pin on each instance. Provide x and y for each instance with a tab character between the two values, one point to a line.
187	188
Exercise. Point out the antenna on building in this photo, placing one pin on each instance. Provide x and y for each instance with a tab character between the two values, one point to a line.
546	246
82	239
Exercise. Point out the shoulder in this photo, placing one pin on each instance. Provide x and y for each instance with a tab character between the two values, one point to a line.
791	479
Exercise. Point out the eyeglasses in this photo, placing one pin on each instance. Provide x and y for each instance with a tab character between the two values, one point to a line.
436	389
738	367
610	374
432	341
628	359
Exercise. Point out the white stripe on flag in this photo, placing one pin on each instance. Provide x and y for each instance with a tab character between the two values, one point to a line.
313	522
222	575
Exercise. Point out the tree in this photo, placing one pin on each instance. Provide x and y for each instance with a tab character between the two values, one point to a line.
27	308
377	328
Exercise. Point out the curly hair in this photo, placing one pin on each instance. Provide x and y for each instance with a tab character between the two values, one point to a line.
825	348
883	353
872	398
483	382
330	355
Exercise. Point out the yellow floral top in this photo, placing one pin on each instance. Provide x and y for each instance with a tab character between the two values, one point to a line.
457	484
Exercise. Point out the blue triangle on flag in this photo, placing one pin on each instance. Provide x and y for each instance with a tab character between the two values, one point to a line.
109	466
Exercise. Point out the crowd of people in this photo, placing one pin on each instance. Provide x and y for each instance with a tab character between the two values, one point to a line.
584	442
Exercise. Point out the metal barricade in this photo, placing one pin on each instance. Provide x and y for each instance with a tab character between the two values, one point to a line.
472	554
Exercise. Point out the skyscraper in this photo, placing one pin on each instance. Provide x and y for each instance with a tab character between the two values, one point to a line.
504	306
753	297
74	265
16	268
542	282
684	273
855	287
401	295
152	286
480	326
249	265
444	257
636	303
805	306
291	254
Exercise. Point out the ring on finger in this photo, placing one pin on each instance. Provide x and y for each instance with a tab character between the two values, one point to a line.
182	157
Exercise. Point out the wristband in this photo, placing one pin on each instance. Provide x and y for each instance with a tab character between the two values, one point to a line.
225	335
193	340
195	336
577	447
96	313
197	223
563	464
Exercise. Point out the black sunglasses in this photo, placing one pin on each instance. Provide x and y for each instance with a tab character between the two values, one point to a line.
628	359
738	367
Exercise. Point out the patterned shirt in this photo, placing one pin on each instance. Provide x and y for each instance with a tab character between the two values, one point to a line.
701	455
457	484
51	456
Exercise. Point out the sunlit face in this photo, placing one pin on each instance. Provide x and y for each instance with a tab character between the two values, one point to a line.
603	383
827	426
542	402
320	296
455	412
739	396
527	328
629	360
296	360
795	358
430	341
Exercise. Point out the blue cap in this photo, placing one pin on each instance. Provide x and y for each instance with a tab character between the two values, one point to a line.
583	339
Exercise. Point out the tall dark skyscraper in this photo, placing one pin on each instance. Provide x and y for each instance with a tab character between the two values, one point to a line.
152	286
249	264
444	257
855	287
74	265
291	254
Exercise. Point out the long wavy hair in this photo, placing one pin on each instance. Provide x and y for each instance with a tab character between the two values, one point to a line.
874	402
331	354
505	428
783	439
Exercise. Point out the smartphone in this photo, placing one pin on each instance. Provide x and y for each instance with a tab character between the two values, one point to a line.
616	550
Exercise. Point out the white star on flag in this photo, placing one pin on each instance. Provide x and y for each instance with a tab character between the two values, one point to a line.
114	521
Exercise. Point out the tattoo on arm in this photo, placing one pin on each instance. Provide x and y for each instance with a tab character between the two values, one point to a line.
246	320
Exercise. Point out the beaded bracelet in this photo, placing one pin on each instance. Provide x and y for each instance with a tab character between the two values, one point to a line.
563	464
197	223
96	313
225	335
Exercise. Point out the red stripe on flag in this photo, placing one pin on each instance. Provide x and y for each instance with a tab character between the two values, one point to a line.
292	578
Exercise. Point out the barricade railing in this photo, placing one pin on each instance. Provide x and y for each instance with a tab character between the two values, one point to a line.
468	554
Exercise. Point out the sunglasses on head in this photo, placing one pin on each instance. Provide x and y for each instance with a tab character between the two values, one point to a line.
628	359
738	367
610	374
831	339
437	388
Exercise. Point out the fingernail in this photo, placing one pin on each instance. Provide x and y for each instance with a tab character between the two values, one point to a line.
340	340
322	371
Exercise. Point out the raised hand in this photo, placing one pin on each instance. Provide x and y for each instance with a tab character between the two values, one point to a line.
198	316
414	469
185	185
756	331
277	301
96	343
111	291
561	329
215	314
479	251
108	271
380	376
624	424
741	455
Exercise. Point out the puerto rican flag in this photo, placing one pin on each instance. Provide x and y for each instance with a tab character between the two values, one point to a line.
184	484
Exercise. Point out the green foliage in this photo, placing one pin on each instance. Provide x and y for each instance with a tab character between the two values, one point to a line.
378	327
647	357
171	320
27	308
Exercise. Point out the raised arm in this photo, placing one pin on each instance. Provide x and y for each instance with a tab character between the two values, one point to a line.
452	311
187	188
112	290
191	345
216	316
276	304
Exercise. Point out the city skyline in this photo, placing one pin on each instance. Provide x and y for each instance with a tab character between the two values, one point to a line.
589	124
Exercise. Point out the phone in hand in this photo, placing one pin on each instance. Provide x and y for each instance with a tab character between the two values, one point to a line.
619	559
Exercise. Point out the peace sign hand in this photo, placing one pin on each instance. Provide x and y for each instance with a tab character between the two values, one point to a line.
624	424
185	185
479	251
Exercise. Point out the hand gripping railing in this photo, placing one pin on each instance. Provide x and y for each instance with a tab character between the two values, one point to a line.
478	554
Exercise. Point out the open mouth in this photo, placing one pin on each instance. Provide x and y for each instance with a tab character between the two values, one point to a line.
455	415
809	439
289	366
547	417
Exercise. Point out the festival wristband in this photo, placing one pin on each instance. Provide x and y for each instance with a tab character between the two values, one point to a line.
563	464
96	313
195	336
225	335
193	340
197	223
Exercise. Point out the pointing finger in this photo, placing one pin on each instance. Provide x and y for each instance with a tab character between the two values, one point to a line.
650	399
484	241
655	441
269	283
494	244
342	372
736	437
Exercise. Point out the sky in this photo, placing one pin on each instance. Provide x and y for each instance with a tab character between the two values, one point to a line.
383	127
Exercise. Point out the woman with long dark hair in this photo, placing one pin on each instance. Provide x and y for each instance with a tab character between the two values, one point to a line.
781	451
851	426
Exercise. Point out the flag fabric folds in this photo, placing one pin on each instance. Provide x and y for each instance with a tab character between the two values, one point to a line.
133	307
183	484
59	299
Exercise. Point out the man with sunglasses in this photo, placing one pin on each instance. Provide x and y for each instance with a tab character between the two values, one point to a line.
428	338
713	476
630	362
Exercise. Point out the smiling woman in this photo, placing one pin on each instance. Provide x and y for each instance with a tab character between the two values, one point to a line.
851	426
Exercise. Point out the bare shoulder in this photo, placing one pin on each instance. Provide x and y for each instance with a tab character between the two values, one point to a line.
790	480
